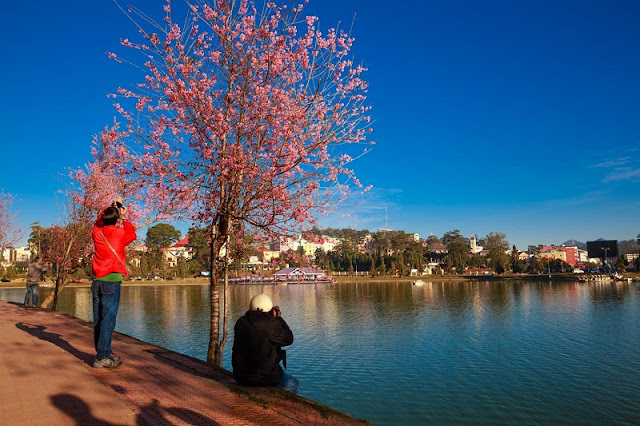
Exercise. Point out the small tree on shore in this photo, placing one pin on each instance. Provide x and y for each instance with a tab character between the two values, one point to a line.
241	125
68	248
68	244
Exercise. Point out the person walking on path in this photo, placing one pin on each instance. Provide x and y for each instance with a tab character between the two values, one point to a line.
34	277
108	269
259	336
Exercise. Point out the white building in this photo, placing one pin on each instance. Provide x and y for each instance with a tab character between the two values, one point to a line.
431	268
473	243
582	256
326	243
13	255
181	249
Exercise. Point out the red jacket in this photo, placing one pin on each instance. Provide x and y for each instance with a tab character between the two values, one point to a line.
104	261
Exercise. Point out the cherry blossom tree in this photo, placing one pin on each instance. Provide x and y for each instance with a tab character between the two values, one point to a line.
10	233
69	249
246	122
67	244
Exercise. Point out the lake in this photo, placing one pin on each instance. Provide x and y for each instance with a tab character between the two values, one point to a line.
448	352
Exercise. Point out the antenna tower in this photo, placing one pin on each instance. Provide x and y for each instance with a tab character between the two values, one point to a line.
386	217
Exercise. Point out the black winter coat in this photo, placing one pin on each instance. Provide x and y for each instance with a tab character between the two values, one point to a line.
257	342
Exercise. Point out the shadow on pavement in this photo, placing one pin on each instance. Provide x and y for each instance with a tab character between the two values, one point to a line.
190	417
192	365
38	331
77	409
153	414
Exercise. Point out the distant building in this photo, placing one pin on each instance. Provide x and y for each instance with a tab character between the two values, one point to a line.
432	268
327	244
570	253
473	243
552	254
139	247
438	248
13	255
583	256
267	255
366	244
292	274
181	249
631	257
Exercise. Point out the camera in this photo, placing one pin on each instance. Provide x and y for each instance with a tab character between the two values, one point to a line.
275	311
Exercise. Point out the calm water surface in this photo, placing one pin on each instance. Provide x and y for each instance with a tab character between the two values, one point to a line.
392	353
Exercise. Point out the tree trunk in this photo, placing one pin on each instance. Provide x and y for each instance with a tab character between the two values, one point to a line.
60	279
53	295
54	306
214	288
219	239
225	308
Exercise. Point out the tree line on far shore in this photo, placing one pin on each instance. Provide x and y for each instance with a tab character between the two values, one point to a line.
380	253
397	253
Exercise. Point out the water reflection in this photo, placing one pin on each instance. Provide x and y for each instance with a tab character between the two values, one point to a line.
490	352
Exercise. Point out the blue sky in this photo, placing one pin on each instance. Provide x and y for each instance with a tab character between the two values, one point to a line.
521	117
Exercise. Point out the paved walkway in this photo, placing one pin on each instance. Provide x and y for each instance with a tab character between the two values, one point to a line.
46	378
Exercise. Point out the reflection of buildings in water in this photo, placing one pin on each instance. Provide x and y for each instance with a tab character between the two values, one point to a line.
162	311
608	291
170	302
572	291
547	294
178	306
477	306
526	301
315	310
83	304
501	298
478	309
133	298
576	297
173	311
318	307
427	292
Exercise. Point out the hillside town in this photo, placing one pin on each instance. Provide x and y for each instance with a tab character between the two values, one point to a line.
166	254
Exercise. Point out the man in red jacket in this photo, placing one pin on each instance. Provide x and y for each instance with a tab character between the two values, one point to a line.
108	269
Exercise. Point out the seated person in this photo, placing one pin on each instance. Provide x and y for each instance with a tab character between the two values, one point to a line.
257	347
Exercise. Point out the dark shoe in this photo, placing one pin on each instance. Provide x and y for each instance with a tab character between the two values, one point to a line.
106	363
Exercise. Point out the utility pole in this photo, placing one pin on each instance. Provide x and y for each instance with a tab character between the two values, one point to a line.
604	264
